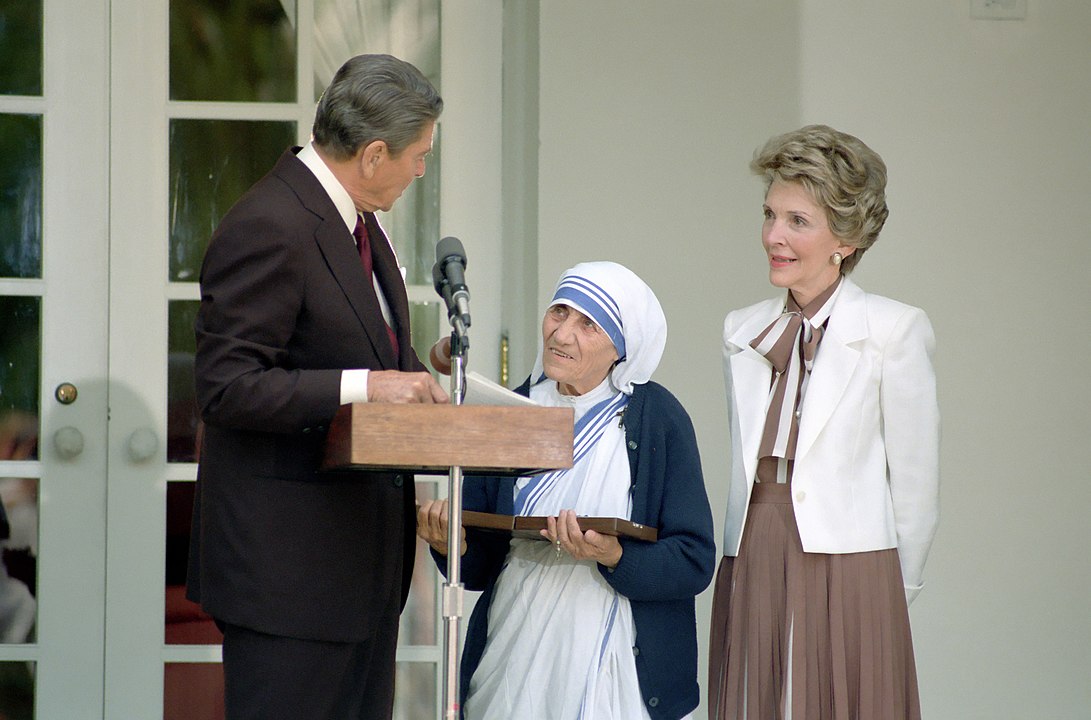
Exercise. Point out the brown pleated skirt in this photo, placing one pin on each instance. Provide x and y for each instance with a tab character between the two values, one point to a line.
806	636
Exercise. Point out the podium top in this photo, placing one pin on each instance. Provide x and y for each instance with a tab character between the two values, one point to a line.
430	439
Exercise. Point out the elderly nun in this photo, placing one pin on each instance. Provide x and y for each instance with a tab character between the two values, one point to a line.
590	625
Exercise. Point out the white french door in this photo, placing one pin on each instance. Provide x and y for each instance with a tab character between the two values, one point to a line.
177	139
138	157
53	357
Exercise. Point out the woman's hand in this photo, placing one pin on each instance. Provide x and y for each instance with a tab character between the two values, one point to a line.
564	532
432	526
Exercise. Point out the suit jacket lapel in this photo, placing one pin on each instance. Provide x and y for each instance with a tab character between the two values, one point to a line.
390	277
337	246
834	364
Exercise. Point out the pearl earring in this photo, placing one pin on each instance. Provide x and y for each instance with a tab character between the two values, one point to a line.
836	258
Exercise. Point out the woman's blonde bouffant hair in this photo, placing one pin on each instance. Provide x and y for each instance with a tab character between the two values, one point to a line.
841	174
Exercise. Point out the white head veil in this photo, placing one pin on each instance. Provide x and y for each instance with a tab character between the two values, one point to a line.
625	308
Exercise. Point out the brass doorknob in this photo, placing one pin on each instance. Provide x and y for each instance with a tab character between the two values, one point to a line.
66	393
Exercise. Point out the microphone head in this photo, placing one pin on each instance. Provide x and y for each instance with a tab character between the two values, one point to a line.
449	249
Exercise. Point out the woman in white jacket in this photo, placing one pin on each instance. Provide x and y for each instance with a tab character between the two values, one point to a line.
834	425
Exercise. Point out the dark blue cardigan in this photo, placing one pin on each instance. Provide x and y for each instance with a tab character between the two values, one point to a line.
660	579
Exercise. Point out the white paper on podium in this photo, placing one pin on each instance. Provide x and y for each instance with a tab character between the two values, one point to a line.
482	391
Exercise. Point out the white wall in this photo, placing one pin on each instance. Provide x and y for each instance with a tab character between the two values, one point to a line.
649	113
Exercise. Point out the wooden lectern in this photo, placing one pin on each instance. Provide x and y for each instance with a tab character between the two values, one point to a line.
431	439
450	440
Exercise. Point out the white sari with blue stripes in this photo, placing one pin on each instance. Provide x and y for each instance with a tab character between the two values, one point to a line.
560	639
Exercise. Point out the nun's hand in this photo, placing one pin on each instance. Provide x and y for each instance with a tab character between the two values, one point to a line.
432	525
564	532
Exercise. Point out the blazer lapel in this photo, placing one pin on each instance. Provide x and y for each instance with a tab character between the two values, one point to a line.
834	365
751	377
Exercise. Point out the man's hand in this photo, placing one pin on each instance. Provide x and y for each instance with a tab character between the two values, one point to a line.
393	386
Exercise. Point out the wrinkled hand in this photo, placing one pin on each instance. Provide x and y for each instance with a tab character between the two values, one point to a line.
393	386
590	545
432	526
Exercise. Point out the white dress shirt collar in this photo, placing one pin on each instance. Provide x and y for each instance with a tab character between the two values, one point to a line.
337	192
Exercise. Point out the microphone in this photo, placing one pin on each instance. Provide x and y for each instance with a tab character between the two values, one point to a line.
450	272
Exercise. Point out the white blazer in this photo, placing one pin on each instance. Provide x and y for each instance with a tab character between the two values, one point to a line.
866	473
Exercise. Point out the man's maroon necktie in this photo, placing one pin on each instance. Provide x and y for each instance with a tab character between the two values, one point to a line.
364	244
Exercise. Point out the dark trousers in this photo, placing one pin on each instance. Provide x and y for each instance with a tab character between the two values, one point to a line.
268	677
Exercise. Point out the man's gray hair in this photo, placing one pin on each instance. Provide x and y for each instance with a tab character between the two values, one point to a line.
374	97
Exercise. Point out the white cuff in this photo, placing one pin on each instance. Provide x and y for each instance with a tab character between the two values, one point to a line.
353	386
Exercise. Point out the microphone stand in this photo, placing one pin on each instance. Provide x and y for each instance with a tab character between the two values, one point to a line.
452	589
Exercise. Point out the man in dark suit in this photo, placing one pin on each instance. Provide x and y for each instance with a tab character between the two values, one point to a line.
303	309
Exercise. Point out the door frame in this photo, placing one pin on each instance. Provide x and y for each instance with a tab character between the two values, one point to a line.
70	584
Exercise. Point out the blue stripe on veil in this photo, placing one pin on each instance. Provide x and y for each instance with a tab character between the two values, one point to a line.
587	432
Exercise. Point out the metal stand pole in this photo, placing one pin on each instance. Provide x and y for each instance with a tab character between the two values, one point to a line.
452	589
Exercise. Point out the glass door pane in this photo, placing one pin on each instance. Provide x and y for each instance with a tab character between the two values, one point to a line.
212	163
20	376
21	195
19	567
20	47
244	50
